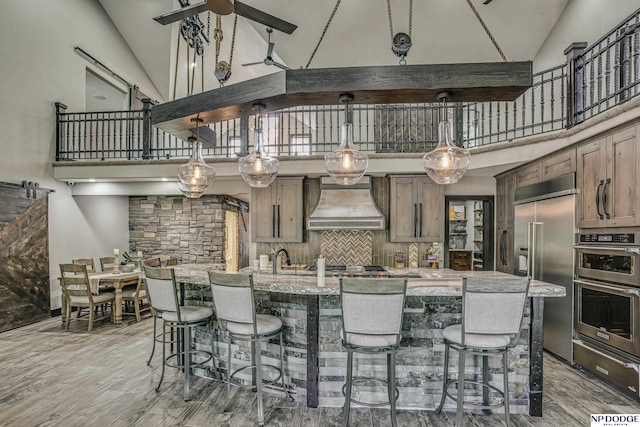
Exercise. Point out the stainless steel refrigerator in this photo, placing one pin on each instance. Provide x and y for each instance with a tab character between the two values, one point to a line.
543	249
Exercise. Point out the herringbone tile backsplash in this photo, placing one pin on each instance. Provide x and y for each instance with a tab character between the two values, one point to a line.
347	247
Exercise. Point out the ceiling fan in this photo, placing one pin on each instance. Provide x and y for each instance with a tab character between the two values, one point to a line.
268	60
226	7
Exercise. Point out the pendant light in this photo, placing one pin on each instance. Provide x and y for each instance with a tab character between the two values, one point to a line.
346	165
195	176
258	169
446	163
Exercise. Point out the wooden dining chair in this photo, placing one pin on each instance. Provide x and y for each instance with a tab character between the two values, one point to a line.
151	262
91	267
138	297
172	261
108	263
76	288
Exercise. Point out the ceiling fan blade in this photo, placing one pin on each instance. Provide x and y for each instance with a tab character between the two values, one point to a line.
264	18
183	13
252	63
270	49
279	65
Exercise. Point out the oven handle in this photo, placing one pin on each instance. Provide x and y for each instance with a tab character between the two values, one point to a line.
612	288
610	248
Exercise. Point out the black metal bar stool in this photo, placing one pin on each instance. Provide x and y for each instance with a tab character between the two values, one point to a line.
161	285
492	311
372	311
235	306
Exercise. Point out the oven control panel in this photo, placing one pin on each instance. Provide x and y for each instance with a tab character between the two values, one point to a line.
613	238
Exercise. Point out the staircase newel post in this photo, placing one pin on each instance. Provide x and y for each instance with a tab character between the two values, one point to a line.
60	109
146	128
575	83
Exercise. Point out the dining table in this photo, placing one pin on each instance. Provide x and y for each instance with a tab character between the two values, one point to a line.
117	281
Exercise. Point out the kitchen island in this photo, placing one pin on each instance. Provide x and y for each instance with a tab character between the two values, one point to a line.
316	363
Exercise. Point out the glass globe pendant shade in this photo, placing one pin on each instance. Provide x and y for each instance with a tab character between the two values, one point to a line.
258	169
346	165
446	163
195	176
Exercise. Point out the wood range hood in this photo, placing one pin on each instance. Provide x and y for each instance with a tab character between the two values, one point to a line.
467	82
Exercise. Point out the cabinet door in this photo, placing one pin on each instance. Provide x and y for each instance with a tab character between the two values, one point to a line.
505	261
505	196
528	175
402	222
560	164
289	210
430	207
263	207
622	202
590	179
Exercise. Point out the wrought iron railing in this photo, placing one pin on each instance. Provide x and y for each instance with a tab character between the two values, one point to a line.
591	81
608	72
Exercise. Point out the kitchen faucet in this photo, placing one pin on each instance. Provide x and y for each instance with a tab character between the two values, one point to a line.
275	258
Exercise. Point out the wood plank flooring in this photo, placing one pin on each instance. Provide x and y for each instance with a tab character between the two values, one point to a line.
49	377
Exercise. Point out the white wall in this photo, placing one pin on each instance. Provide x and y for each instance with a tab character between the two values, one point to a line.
581	21
38	66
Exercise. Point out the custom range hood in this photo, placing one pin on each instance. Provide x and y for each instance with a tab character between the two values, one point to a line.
345	207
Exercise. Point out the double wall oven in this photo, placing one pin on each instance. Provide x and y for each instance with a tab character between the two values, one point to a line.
607	321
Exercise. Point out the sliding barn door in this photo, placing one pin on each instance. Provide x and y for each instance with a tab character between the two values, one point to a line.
24	256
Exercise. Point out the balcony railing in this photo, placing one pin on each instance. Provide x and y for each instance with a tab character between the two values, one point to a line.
592	80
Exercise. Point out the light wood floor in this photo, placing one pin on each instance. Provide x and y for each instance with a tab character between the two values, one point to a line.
49	377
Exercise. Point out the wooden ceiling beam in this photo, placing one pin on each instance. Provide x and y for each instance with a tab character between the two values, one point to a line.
468	82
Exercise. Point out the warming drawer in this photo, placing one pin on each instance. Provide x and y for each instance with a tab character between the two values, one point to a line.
606	365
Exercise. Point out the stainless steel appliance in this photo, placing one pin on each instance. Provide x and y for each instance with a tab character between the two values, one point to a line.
544	235
608	306
611	257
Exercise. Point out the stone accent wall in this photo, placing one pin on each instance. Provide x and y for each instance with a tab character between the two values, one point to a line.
420	359
193	230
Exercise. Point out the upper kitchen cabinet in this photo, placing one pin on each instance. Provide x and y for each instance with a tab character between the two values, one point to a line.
558	164
528	175
276	211
549	167
417	209
505	197
607	179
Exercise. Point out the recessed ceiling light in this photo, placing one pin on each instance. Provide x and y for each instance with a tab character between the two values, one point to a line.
92	180
99	97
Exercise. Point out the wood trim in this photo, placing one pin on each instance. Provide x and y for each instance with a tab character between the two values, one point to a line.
495	81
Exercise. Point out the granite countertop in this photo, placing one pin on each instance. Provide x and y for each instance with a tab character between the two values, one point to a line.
427	281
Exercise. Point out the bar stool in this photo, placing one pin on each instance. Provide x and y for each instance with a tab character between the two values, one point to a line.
235	305
492	311
372	311
161	286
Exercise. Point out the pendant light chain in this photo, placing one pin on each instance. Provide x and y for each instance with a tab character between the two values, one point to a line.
218	36
193	70
175	74
233	40
391	20
326	27
486	30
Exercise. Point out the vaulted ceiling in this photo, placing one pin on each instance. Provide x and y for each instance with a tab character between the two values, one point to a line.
443	31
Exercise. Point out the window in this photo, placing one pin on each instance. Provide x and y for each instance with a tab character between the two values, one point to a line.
234	145
300	145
